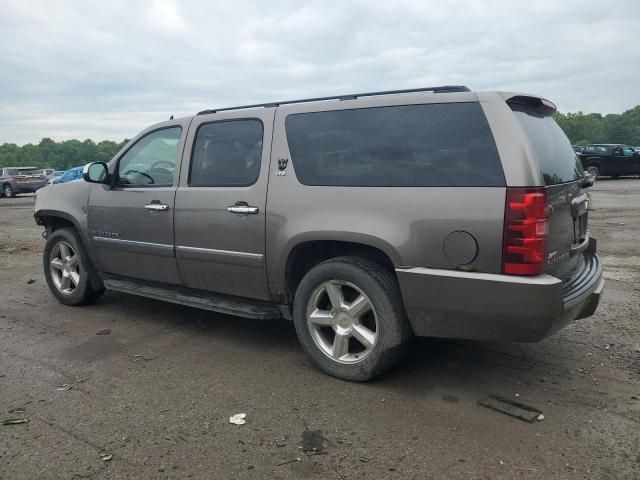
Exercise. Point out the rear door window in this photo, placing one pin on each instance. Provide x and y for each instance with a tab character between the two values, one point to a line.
430	145
557	160
227	154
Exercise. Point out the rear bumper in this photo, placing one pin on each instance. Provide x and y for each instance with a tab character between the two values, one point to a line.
480	306
27	188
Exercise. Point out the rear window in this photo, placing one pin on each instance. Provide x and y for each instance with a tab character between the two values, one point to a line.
557	160
430	145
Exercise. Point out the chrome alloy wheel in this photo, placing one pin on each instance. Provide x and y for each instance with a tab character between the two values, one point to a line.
342	321
64	268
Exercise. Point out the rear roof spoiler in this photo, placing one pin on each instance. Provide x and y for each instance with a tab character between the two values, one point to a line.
539	104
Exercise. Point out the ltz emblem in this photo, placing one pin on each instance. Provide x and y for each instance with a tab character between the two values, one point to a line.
282	166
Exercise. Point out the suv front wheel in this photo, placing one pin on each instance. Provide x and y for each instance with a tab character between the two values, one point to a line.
66	269
8	191
350	319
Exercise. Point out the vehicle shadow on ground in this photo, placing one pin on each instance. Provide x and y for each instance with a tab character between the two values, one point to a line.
454	365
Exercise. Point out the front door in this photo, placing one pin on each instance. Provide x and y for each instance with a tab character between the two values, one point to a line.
220	203
131	221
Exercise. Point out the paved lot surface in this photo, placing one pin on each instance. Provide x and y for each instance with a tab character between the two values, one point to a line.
157	392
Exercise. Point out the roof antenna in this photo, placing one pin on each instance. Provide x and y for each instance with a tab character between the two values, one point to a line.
171	117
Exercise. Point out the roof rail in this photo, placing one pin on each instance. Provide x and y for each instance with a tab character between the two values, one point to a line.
352	96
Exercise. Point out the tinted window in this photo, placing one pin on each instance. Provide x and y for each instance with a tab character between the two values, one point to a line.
557	161
417	145
596	149
627	151
227	154
151	162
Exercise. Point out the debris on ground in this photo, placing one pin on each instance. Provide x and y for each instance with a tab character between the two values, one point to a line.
14	421
30	281
340	474
288	462
513	409
105	457
106	331
312	442
238	419
65	387
137	358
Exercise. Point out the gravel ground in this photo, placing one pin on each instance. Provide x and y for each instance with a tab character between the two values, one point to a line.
157	391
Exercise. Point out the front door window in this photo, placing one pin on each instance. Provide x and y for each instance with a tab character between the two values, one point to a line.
151	162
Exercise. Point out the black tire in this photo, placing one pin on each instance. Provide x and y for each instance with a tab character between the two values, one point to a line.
84	292
382	290
594	171
8	191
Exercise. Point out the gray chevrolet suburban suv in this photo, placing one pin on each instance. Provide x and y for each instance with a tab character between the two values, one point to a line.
364	218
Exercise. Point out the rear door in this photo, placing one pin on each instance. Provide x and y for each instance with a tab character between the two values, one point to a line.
221	202
628	161
562	174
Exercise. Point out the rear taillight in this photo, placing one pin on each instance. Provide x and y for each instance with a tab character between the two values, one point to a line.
525	231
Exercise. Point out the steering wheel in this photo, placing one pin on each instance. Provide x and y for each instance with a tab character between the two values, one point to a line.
156	165
139	173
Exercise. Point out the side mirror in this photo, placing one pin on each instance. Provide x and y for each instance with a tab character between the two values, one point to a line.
95	172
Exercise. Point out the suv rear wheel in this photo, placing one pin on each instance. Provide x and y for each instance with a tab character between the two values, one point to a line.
66	269
350	319
593	170
8	191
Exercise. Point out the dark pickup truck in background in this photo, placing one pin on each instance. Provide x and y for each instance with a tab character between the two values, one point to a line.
610	160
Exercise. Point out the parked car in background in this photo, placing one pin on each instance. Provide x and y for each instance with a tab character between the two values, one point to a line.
53	177
47	171
578	148
15	180
434	212
71	175
610	159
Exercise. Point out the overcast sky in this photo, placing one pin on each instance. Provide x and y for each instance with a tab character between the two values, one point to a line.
106	69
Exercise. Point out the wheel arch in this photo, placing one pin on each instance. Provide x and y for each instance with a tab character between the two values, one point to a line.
53	220
307	253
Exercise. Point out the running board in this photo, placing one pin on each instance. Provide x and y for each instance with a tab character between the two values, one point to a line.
216	302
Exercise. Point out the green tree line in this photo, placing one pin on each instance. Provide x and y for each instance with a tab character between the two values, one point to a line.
581	128
584	128
58	155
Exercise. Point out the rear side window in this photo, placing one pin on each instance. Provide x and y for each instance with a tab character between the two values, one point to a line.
227	154
596	149
557	160
430	145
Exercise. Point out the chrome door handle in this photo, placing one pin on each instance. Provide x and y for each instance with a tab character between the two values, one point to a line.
157	207
246	209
